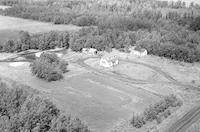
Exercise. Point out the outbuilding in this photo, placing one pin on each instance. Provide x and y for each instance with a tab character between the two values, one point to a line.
91	51
137	51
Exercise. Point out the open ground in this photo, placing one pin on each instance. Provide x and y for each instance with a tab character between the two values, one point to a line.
10	27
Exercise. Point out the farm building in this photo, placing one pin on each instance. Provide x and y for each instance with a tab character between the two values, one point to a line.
140	52
109	61
38	54
91	51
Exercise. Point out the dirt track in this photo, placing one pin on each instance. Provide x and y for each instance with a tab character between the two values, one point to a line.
183	123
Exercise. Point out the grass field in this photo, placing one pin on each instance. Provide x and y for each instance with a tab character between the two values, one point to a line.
99	101
10	27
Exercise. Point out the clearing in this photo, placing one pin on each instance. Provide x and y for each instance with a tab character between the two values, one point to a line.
11	26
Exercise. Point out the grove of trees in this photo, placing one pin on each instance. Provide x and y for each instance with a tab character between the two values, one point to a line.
24	110
49	67
157	112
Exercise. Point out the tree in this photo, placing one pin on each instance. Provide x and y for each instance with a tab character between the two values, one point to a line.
25	39
9	46
195	25
49	67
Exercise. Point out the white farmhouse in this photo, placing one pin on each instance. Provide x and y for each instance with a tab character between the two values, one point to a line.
109	61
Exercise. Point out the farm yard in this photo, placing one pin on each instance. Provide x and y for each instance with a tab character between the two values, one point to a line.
100	97
93	66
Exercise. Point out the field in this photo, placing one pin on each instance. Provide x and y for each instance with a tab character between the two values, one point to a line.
10	27
100	97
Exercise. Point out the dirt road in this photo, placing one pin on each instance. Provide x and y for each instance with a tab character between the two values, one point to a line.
186	121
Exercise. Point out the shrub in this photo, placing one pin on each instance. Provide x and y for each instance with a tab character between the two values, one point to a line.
85	20
9	46
49	67
138	121
195	25
25	40
58	20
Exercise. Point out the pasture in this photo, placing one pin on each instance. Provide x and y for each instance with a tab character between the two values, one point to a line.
10	27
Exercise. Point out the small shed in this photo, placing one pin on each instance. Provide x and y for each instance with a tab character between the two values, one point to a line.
91	51
109	61
137	51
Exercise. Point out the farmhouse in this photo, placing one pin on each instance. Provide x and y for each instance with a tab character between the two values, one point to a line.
91	51
109	61
139	52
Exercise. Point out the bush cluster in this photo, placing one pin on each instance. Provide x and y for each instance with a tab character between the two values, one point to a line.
49	67
195	24
156	112
43	41
22	110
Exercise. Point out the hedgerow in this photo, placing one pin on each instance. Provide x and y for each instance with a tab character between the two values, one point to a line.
43	41
156	112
